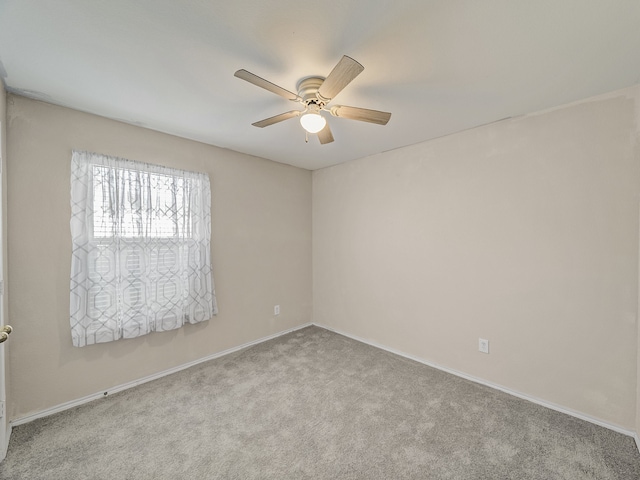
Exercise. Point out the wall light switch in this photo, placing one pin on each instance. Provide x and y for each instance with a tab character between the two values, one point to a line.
276	310
483	345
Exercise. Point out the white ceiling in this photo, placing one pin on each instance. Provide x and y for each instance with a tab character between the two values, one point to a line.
439	66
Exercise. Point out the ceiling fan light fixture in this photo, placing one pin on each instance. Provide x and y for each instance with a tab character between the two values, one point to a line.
314	94
312	122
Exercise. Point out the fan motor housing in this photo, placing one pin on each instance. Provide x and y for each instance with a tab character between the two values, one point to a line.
308	90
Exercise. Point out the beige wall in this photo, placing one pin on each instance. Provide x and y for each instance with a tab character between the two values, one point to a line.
261	253
523	232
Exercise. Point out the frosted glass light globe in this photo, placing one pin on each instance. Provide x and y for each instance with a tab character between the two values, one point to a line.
312	122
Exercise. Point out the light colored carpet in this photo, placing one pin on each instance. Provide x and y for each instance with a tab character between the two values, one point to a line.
315	405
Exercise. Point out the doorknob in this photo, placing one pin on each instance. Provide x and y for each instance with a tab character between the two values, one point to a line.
4	333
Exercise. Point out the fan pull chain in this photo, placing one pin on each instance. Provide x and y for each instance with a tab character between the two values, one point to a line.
306	137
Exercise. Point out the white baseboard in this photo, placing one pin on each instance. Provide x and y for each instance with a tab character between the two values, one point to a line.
125	386
481	381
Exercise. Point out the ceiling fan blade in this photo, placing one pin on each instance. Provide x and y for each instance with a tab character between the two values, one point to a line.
361	114
342	74
325	135
267	85
278	118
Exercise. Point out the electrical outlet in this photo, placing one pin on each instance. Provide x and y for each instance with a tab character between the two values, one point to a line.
276	310
483	345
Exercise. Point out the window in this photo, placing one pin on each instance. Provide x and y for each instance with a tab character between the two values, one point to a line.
141	249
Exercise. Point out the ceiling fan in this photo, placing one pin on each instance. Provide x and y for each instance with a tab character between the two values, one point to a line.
315	93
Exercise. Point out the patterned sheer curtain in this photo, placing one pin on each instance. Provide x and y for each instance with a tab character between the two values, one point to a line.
141	249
